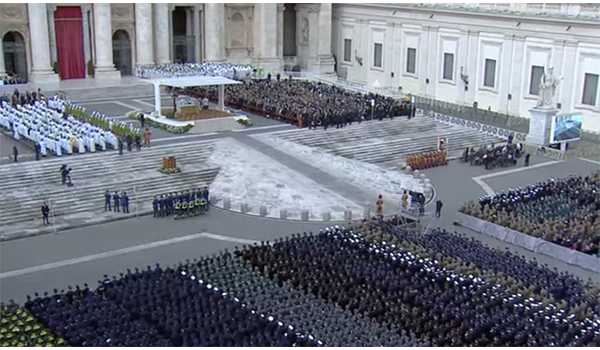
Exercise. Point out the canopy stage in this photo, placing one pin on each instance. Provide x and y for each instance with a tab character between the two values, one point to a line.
183	82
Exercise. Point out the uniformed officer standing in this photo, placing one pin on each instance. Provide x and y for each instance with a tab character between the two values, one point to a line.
125	202
107	198
116	201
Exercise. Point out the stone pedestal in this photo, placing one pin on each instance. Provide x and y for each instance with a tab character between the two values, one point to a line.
540	122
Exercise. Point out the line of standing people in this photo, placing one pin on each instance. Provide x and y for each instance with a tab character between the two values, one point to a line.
116	201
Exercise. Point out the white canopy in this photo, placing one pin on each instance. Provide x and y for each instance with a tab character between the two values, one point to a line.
183	82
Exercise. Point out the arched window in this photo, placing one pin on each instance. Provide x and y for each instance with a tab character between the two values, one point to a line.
15	57
122	52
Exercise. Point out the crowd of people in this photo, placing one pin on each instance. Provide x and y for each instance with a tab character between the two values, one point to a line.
491	156
12	79
427	160
18	328
307	104
44	123
181	204
408	292
174	70
371	284
563	211
116	201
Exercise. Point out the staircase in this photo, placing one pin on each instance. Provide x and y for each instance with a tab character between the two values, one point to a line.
27	185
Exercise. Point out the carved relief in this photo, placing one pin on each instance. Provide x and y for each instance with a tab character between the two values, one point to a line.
13	12
121	11
305	31
237	30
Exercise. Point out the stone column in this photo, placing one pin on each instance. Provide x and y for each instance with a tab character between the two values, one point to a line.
214	17
87	49
104	67
41	71
325	59
2	65
265	39
161	33
197	34
144	40
280	10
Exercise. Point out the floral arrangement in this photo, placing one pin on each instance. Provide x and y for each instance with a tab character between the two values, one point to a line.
168	128
243	120
119	128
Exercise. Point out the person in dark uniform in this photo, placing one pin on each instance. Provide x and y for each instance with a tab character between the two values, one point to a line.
125	202
138	142
15	153
37	151
107	198
155	207
438	207
120	146
129	141
117	201
527	159
142	120
45	212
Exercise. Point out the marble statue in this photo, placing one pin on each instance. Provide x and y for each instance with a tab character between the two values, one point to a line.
548	86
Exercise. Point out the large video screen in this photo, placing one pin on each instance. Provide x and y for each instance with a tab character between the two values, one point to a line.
566	127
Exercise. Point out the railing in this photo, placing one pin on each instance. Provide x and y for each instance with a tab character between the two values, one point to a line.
483	116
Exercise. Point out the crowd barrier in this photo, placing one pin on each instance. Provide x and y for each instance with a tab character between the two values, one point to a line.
484	128
538	245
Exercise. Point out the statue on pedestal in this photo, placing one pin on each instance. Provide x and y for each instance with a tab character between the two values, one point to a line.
548	85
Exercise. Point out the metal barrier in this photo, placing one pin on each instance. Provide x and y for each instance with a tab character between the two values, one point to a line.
483	116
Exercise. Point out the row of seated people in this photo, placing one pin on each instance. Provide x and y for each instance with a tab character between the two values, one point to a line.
372	284
307	104
563	211
181	204
45	124
174	70
427	160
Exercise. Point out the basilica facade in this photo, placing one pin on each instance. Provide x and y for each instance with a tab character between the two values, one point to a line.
492	55
47	42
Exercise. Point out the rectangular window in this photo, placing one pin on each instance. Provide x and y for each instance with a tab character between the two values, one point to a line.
536	78
448	66
348	50
489	76
590	89
411	60
378	55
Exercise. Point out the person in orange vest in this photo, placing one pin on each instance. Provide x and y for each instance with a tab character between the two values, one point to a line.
147	134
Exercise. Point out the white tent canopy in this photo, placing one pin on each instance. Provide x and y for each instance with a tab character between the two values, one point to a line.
183	82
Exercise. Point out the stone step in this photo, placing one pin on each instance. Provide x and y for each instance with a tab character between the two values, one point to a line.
106	167
92	198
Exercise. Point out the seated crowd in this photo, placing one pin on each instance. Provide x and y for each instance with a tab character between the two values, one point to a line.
306	103
563	211
45	123
372	284
175	70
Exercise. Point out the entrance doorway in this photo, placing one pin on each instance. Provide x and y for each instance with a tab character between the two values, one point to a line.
68	26
122	52
15	57
183	35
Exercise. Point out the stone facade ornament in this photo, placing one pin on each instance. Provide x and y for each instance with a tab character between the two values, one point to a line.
305	31
548	85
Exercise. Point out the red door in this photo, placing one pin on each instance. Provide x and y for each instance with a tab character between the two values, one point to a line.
69	42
